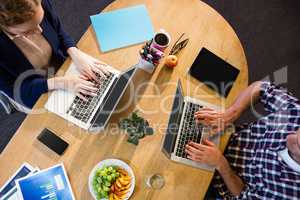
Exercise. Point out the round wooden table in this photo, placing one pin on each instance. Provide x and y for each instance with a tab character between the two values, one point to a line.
205	28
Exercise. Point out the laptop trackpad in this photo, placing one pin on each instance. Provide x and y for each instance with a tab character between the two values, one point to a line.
60	101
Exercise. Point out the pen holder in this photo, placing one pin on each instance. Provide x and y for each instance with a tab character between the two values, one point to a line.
146	66
153	51
150	57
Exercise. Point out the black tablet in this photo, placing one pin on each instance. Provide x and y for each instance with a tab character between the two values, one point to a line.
214	72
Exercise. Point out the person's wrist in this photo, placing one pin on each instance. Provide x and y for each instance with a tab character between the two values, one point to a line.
51	83
73	52
231	114
77	56
55	83
220	163
223	166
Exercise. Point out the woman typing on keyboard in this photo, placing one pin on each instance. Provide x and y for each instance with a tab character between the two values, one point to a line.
32	42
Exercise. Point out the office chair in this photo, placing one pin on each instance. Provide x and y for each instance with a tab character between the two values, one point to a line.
6	105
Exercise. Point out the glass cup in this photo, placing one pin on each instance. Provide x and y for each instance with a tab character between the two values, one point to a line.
155	181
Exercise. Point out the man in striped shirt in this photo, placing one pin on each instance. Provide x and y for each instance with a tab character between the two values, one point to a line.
262	159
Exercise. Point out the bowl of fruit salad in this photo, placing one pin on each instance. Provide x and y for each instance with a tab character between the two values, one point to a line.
111	179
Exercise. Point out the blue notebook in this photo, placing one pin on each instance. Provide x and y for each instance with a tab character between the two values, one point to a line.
48	184
121	28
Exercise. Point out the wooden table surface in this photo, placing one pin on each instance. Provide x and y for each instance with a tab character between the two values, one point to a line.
205	28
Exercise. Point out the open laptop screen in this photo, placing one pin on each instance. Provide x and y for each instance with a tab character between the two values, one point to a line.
174	120
112	99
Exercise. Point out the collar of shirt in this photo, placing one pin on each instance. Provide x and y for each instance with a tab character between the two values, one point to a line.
284	154
38	30
10	36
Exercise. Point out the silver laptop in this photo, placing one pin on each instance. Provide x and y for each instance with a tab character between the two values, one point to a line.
94	113
182	128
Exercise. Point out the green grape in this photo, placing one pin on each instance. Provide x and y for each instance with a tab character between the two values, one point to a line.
102	173
103	179
105	182
95	186
108	184
106	177
106	189
102	193
105	195
99	180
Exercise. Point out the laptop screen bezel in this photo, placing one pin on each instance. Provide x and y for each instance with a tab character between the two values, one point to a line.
174	133
94	124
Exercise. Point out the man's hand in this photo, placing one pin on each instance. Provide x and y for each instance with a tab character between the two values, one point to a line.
216	120
207	153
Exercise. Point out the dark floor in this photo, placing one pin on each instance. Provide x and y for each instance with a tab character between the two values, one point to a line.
269	32
268	29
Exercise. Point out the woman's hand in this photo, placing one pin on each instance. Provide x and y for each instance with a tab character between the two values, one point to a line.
80	85
207	153
87	65
216	120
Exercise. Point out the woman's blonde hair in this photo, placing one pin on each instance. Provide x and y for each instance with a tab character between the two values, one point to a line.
14	12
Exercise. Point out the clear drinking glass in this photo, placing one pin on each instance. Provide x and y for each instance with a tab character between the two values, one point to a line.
155	181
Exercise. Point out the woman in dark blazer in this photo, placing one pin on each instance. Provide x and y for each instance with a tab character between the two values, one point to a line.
32	40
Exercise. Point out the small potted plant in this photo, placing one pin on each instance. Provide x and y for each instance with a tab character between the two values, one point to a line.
136	127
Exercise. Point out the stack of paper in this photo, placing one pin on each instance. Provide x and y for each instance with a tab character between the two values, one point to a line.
9	190
28	183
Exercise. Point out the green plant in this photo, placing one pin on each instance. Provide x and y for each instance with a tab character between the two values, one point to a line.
136	127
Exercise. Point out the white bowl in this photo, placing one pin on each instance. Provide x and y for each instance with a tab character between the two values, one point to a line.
112	162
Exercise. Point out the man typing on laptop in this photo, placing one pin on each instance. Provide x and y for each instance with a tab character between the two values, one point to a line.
262	159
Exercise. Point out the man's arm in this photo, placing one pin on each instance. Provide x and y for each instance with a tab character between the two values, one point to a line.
233	182
209	153
219	120
249	96
275	98
243	101
271	96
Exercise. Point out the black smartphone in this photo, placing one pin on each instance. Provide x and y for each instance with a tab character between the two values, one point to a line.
52	141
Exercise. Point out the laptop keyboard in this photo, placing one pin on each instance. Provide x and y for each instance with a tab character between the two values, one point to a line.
190	130
83	110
